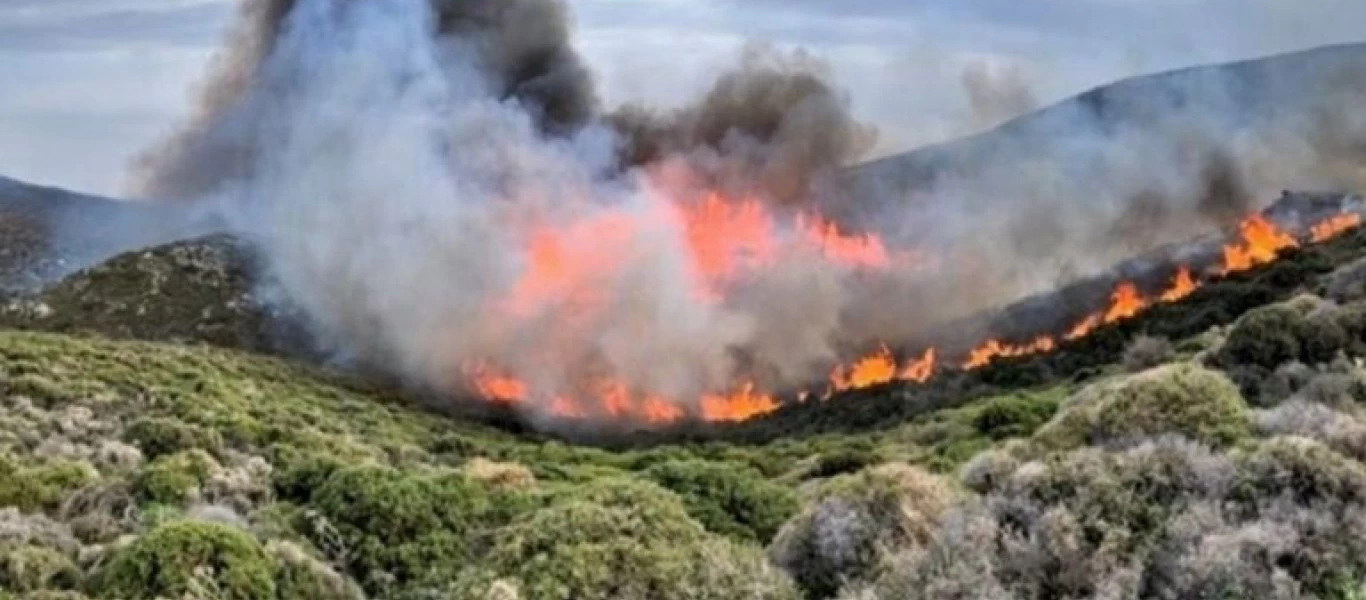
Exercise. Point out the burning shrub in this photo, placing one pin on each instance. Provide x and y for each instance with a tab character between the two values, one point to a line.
190	559
855	522
1146	352
728	499
157	437
622	539
1183	399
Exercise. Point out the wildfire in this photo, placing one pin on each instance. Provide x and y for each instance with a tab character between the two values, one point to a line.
1334	226
993	349
1182	285
729	239
1260	242
739	406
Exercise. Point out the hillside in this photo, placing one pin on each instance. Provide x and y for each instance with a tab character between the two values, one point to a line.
166	434
1223	458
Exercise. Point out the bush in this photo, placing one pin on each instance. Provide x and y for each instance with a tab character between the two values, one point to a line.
173	479
845	460
1305	469
1266	336
1014	416
1146	352
40	487
1305	329
728	499
32	568
855	522
181	558
1348	282
622	540
499	474
157	437
1182	399
398	527
303	577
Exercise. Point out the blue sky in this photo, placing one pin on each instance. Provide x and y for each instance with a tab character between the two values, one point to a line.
85	84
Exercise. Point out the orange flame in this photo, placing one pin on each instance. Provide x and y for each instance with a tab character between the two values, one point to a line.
993	349
739	406
920	370
866	372
1125	302
1334	226
1183	284
729	239
848	250
1261	241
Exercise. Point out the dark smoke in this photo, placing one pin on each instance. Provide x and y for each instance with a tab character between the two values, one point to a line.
524	46
777	120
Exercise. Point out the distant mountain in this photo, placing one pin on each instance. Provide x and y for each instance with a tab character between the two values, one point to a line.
48	232
1295	120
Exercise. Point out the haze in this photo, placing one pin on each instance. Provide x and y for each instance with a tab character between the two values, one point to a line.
89	83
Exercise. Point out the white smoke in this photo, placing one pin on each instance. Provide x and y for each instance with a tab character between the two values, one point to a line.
388	194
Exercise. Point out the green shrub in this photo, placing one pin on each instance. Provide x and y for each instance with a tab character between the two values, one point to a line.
188	557
1014	416
399	527
303	577
623	539
855	522
172	479
844	460
1183	399
41	486
728	499
32	568
1266	336
158	437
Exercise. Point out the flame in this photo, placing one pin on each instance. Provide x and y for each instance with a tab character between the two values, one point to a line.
850	250
1261	241
994	348
868	371
1183	284
1125	302
730	239
744	404
1333	226
920	370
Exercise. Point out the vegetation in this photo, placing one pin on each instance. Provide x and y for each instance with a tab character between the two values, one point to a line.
1209	448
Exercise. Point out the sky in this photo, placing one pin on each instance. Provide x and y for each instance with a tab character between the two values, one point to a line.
86	84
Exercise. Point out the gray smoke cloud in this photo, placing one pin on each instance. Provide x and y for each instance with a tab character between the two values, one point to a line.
435	186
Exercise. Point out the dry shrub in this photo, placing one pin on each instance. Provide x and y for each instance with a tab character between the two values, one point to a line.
1146	352
499	475
1337	430
1348	282
856	522
301	576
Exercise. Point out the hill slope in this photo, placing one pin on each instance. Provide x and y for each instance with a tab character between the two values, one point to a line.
1227	461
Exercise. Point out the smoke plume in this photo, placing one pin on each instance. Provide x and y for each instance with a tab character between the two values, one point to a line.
437	188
